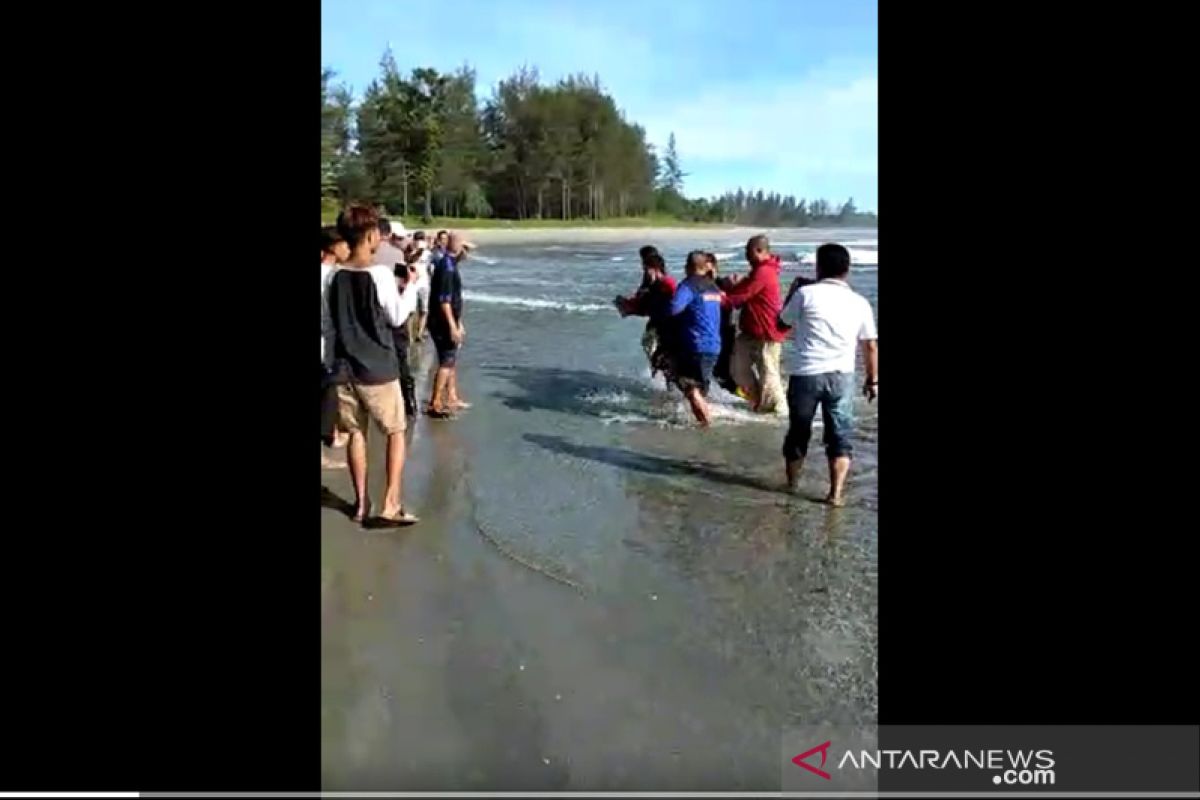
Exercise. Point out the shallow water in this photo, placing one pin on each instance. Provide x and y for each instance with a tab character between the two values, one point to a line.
757	609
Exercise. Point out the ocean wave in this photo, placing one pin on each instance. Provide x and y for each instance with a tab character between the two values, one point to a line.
617	258
635	419
529	302
818	242
857	256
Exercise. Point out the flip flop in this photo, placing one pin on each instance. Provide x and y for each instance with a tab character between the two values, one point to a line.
434	414
403	521
462	406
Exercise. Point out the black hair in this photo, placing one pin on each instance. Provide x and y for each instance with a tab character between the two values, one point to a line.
833	261
355	222
329	237
760	242
419	236
647	251
385	227
655	261
698	260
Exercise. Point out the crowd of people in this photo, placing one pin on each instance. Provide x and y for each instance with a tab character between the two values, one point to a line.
691	339
385	292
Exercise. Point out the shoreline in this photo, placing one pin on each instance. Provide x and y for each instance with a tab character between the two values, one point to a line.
590	235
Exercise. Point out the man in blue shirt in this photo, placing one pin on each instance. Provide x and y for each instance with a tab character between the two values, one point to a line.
697	303
446	328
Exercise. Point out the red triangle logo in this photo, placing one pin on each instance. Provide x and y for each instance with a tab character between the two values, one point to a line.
823	749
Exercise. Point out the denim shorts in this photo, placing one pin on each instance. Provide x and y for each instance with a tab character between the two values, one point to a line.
834	392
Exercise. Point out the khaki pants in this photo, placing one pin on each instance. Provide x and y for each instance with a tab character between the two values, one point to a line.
383	403
755	365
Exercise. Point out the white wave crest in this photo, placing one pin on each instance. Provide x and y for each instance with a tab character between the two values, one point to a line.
529	302
857	256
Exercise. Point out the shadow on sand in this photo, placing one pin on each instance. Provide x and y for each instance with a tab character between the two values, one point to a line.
650	464
572	391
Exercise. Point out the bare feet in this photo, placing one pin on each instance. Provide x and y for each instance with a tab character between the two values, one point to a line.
837	501
460	405
362	511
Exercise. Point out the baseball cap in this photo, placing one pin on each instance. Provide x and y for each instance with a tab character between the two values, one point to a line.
398	230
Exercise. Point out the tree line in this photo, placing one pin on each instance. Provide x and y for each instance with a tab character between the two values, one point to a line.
422	144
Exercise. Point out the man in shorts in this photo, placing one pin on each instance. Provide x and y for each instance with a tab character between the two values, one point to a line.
697	303
446	328
828	321
363	305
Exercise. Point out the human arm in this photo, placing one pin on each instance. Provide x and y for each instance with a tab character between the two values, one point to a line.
742	290
682	298
869	341
397	305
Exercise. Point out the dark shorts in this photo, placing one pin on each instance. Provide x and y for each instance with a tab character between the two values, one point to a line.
834	392
693	371
447	350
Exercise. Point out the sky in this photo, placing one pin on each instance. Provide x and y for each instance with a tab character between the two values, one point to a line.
778	95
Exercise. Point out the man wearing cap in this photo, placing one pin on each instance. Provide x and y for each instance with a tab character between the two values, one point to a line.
392	237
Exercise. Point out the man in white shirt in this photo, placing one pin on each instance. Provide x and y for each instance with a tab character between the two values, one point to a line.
361	304
828	321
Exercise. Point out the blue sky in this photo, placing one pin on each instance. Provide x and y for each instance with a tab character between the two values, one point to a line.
772	94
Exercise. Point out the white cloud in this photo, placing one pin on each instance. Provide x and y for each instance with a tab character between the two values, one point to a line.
817	129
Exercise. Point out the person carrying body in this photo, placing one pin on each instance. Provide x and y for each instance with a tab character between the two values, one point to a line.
758	346
828	321
697	304
653	300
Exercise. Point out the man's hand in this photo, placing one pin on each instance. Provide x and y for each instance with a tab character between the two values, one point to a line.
871	390
458	334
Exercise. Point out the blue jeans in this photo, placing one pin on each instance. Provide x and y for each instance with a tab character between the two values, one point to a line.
834	391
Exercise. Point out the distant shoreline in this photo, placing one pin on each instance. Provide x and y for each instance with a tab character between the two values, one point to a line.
645	230
647	235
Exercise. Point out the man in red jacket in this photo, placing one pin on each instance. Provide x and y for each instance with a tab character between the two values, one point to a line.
759	343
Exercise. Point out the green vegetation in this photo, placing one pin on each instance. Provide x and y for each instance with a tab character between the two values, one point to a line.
533	155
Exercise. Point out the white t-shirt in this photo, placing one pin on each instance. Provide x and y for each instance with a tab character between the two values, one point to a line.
828	319
424	269
397	306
